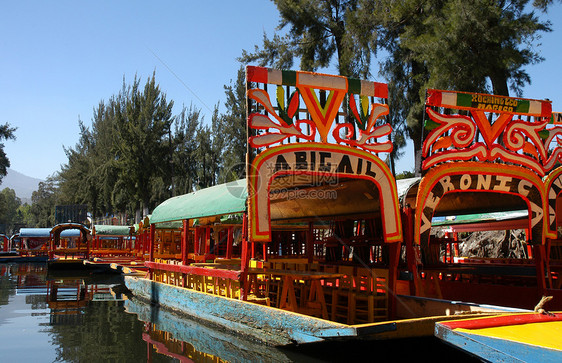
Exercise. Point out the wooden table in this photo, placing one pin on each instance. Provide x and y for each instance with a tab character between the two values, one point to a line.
312	304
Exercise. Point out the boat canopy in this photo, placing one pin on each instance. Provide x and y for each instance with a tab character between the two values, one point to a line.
218	200
111	230
77	227
46	232
495	221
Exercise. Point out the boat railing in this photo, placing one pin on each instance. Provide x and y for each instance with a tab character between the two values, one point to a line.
344	293
202	277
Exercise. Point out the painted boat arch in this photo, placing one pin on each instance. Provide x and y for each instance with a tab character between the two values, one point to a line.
56	231
324	161
479	177
553	189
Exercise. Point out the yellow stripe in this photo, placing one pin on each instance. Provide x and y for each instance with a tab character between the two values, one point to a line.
546	334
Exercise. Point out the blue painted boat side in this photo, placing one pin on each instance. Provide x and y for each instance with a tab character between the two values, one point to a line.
270	325
496	350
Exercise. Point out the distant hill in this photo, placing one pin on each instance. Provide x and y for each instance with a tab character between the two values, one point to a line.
23	185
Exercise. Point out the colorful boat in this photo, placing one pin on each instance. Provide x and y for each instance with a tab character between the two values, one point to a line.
529	337
308	248
115	247
68	246
485	168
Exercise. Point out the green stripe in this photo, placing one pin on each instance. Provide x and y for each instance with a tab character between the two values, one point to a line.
354	86
430	124
289	78
464	100
523	106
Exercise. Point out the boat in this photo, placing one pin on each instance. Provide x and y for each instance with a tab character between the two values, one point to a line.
29	245
528	337
308	248
115	247
485	168
68	246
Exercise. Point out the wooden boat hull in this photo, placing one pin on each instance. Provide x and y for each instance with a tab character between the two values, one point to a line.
511	337
271	325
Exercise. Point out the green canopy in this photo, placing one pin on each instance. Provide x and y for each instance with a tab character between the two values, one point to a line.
110	230
214	201
479	218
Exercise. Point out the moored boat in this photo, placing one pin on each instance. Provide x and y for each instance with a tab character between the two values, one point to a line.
308	247
529	337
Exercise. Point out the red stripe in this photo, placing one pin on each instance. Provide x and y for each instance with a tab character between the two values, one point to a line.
256	74
546	109
381	90
504	320
433	97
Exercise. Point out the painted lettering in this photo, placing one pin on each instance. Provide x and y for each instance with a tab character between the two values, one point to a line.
484	182
345	165
466	181
325	166
502	186
447	185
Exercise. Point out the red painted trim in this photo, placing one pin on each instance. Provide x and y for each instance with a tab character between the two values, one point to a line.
505	320
163	349
213	272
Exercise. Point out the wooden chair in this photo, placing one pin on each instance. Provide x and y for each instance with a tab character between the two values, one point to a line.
328	285
274	283
341	294
369	297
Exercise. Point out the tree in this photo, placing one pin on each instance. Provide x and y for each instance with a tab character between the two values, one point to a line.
143	122
9	204
44	200
185	144
319	31
233	130
6	133
479	46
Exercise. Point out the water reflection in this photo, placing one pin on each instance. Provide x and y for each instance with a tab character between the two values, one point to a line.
78	316
181	337
67	317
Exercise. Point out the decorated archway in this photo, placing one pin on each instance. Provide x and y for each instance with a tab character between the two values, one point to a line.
553	188
479	177
325	161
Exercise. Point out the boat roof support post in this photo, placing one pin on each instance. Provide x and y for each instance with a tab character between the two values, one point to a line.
229	242
244	263
151	247
412	251
184	241
310	243
394	257
207	241
540	262
85	238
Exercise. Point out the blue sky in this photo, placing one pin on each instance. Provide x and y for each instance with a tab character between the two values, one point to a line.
59	59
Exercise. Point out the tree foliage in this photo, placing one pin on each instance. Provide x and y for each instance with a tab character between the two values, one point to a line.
233	125
318	32
9	204
6	133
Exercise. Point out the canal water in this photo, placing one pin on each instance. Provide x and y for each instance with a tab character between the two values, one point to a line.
78	316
